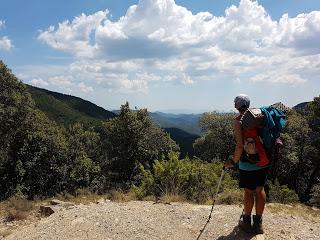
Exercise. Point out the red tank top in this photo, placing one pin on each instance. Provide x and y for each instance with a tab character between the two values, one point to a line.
252	133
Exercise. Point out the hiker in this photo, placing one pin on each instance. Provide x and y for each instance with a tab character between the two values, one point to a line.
253	163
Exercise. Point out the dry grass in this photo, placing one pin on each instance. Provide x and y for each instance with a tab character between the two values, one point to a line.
297	210
120	196
173	198
16	209
82	198
149	198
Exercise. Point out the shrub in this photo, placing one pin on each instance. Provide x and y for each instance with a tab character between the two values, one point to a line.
282	194
315	196
230	197
191	179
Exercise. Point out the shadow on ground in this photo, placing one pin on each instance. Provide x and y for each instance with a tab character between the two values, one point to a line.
237	234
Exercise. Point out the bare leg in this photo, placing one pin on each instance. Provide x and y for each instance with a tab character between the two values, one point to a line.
248	201
260	200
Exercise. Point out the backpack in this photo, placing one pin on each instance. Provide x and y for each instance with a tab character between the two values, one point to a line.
269	122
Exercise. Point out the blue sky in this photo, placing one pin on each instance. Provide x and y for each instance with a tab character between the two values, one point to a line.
183	55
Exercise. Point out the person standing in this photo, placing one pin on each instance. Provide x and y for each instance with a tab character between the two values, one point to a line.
253	167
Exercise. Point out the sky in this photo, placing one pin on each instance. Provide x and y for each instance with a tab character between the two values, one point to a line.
182	56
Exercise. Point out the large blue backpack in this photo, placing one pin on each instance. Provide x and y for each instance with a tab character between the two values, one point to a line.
269	121
273	124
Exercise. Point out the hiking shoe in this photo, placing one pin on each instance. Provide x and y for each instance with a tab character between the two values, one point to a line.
245	223
257	224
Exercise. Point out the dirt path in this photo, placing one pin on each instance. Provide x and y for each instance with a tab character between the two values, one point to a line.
148	221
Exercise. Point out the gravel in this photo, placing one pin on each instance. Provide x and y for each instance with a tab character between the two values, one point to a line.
147	221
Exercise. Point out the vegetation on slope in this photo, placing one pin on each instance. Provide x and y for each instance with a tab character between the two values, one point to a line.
68	109
40	157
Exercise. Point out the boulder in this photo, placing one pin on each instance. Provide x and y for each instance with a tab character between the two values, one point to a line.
46	211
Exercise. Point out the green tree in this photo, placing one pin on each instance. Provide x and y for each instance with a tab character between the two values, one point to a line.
217	140
132	138
38	157
314	121
84	148
15	105
294	156
32	148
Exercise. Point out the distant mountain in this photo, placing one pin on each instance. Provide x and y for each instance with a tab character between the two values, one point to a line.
183	128
301	106
186	122
184	139
68	109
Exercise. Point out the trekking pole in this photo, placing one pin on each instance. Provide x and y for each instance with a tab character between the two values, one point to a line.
214	201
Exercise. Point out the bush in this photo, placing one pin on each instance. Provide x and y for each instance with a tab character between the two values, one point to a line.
18	209
282	194
191	179
315	196
230	197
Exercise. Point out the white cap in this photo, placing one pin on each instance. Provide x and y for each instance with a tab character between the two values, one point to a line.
242	101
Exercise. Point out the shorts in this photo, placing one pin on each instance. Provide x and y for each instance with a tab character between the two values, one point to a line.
253	179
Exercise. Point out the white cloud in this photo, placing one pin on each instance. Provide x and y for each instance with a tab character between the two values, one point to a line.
147	77
76	36
84	88
2	24
301	32
160	41
275	77
5	42
61	81
133	86
39	82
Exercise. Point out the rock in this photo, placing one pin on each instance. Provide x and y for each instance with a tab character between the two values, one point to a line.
100	201
60	203
46	211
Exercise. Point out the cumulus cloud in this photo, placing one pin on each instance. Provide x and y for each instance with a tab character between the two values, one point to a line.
39	82
160	41
62	81
84	88
2	24
301	32
275	77
5	42
76	36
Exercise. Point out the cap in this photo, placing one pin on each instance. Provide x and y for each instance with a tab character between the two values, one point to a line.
242	101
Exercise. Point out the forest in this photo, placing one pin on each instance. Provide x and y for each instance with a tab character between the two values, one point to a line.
41	155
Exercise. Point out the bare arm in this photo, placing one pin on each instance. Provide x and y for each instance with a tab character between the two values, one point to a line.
239	141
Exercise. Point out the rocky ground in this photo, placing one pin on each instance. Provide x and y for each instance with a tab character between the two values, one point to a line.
147	221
